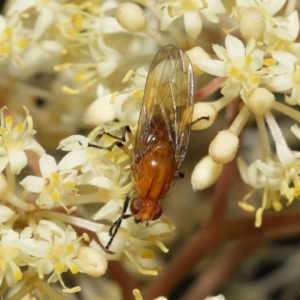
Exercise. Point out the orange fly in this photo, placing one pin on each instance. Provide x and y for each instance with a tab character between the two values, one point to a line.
162	135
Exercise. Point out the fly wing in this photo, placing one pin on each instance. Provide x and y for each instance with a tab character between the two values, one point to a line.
168	102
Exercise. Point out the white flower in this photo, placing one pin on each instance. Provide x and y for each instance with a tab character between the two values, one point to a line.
285	76
5	213
89	158
191	11
238	63
13	41
53	186
53	250
131	238
14	141
11	258
276	27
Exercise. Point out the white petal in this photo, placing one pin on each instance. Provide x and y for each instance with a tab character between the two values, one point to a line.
21	6
296	131
212	66
100	111
45	230
285	58
257	59
280	83
269	171
106	68
285	155
102	182
166	20
193	23
273	7
33	247
235	48
33	145
43	22
216	6
220	51
17	160
73	159
3	162
72	142
108	210
47	165
5	213
33	184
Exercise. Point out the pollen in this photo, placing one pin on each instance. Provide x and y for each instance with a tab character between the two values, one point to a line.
22	44
8	121
59	267
4	49
77	19
138	94
269	62
69	185
79	77
147	253
55	177
248	60
18	275
19	127
234	72
8	31
277	205
70	248
74	269
253	79
55	196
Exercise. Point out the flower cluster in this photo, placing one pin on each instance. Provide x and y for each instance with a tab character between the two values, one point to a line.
82	64
257	71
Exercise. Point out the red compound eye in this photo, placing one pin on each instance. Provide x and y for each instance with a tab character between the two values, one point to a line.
158	212
136	205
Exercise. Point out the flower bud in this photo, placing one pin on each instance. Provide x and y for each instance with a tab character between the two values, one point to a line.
99	111
194	54
205	173
224	147
252	24
131	17
203	109
260	101
95	264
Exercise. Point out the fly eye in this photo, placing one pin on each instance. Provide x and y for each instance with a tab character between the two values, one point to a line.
136	205
158	212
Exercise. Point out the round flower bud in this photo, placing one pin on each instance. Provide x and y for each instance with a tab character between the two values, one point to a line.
131	17
100	111
194	54
205	173
201	110
95	264
260	101
252	24
224	147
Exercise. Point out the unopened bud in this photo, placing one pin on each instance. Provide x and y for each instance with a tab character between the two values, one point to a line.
131	17
252	24
205	173
224	146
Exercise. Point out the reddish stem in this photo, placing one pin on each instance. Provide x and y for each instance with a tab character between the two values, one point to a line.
209	89
209	239
222	267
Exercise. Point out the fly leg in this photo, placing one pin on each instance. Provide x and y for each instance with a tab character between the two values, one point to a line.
199	119
116	225
120	141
